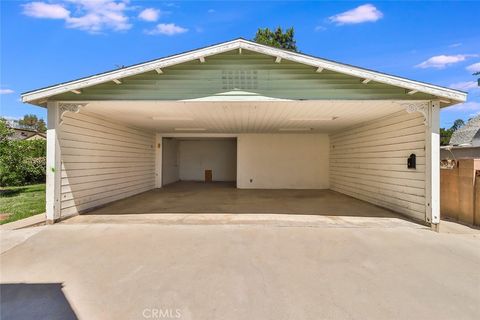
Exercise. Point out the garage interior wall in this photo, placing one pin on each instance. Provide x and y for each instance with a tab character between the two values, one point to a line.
170	171
369	162
102	161
283	161
197	155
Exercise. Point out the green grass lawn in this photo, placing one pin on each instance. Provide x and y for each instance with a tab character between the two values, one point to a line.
22	202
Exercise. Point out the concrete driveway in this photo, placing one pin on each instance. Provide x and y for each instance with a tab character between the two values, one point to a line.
251	271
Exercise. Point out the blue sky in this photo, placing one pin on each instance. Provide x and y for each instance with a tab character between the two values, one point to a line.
51	41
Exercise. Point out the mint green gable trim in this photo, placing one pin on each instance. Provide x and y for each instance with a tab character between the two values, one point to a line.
248	71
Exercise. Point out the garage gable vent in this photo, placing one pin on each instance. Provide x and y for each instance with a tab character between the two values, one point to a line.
239	79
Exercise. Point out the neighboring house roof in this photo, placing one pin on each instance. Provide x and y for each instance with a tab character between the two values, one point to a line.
468	135
26	134
449	96
37	136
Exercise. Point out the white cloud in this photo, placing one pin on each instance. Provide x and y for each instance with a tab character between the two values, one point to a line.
454	45
99	15
465	86
11	119
471	106
363	13
168	29
6	91
474	67
45	10
320	28
442	61
149	14
88	15
211	11
172	4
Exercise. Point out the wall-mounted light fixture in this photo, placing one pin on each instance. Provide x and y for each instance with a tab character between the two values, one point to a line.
314	119
295	129
172	119
190	129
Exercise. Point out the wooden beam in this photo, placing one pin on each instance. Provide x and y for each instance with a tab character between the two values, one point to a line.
320	69
445	101
117	81
76	91
239	50
365	81
202	59
159	71
278	59
412	92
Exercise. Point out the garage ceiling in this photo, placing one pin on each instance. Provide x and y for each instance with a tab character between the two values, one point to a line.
245	116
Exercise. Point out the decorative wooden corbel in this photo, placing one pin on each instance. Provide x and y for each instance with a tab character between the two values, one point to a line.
68	107
421	107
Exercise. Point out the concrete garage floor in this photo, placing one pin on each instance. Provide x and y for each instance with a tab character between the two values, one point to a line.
140	271
218	197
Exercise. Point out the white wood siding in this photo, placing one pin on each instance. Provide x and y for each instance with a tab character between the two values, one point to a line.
369	162
102	161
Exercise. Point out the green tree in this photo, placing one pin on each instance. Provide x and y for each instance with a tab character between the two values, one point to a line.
31	120
446	134
41	126
457	124
277	38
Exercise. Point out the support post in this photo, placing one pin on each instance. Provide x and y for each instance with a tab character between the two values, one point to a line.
432	176
54	169
158	160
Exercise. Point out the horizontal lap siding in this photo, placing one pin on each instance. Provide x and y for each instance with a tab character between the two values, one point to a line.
102	161
369	162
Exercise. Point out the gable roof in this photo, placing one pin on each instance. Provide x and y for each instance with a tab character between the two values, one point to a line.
36	96
465	135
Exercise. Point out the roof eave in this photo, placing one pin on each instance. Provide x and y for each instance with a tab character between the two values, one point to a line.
440	92
39	97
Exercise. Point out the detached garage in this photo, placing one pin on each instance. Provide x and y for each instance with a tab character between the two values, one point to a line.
248	116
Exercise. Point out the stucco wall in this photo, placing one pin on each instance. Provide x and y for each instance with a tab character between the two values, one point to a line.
283	161
196	156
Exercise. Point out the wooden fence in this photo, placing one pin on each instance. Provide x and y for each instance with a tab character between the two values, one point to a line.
460	192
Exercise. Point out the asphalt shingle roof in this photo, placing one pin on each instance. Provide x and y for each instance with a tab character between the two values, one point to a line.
465	135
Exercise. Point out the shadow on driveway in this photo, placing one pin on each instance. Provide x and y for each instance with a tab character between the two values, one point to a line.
34	301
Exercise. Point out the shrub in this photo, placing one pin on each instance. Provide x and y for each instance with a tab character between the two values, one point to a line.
34	170
22	162
33	148
11	162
